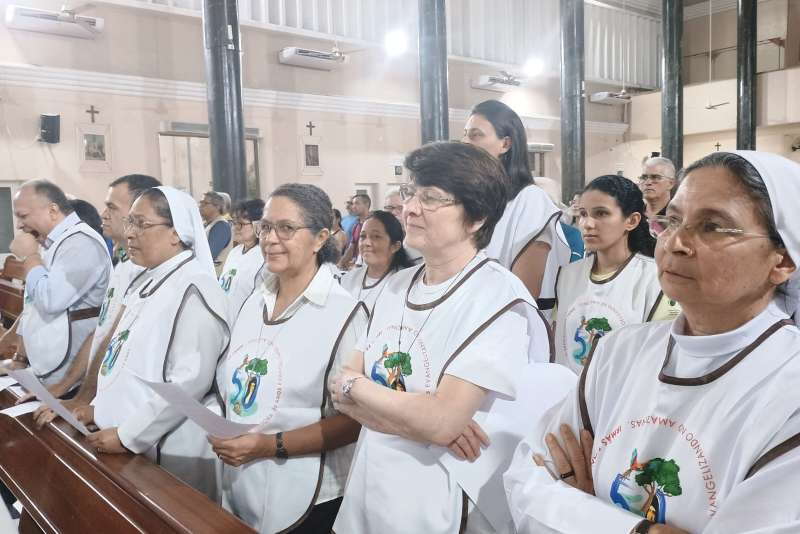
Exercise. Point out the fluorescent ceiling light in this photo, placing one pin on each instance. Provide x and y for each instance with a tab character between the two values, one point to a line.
395	43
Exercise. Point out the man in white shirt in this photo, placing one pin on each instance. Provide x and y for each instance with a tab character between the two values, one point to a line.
67	269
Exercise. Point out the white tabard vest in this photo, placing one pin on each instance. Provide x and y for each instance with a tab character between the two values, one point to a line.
240	276
588	310
139	347
525	218
51	339
275	376
672	449
125	275
355	282
396	485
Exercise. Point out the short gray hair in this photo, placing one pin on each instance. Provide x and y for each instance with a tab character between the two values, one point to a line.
666	165
52	193
216	200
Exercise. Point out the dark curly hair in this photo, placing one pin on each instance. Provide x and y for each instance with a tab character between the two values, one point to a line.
630	200
315	205
394	230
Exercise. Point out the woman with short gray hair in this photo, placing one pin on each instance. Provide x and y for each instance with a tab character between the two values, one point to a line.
289	474
690	425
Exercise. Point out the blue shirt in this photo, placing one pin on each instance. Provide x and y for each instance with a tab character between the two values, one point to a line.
77	277
218	237
348	222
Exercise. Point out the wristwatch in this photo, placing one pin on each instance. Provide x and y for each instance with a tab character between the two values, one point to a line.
347	385
643	527
280	450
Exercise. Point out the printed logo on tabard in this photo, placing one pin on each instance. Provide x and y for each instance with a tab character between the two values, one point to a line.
255	386
113	351
644	487
227	279
390	369
104	308
588	330
407	369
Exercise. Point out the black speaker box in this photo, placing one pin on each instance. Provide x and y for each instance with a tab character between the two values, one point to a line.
50	128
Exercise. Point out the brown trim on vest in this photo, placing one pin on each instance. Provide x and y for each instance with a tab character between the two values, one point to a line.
551	337
265	317
464	512
430	305
775	452
531	240
144	293
727	366
325	396
555	287
584	409
616	273
475	334
364	279
655	307
85	313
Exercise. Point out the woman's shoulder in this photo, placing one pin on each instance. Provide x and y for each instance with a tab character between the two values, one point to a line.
533	196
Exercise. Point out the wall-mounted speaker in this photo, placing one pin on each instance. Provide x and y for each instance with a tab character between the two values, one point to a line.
50	128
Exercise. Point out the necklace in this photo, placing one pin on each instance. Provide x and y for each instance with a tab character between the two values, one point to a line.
408	292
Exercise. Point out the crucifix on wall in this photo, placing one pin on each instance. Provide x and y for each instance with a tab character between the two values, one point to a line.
310	127
310	152
91	111
718	146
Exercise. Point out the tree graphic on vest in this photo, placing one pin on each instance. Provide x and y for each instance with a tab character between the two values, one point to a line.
104	308
247	379
112	353
390	369
659	475
227	280
655	480
585	335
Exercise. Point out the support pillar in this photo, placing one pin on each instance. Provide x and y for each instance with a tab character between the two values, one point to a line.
434	111
672	82
224	89
573	112
746	75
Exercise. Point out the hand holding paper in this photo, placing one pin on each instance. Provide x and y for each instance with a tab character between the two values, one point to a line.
29	381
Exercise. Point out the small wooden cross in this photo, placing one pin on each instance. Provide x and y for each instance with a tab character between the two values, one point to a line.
310	127
718	146
92	112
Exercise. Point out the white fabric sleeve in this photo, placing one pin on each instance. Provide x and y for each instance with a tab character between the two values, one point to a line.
192	359
492	359
354	330
541	504
80	265
765	503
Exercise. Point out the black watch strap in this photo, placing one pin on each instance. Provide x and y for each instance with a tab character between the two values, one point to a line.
643	527
280	450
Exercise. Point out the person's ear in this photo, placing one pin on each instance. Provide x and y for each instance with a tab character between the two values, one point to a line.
174	239
394	247
506	145
632	221
784	267
321	238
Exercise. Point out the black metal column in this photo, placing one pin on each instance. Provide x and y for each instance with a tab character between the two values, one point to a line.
672	82
433	106
224	89
746	76
573	113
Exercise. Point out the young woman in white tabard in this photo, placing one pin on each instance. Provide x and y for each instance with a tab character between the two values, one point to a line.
244	265
447	342
174	329
289	475
691	425
381	246
528	239
617	284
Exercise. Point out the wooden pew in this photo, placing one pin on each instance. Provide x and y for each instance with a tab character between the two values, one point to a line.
11	295
65	488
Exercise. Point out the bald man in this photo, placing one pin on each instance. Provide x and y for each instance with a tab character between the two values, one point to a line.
656	183
67	269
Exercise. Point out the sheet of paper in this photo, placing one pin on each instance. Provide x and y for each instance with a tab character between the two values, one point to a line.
29	381
540	386
6	381
212	423
21	409
19	391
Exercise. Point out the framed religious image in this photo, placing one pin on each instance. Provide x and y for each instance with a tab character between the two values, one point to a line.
310	155
94	147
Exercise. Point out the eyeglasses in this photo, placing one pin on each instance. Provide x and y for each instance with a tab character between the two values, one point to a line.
705	231
653	178
138	225
390	208
427	200
284	230
241	224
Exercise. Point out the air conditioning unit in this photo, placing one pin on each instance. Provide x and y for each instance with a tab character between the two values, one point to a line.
500	83
311	59
610	99
53	22
540	147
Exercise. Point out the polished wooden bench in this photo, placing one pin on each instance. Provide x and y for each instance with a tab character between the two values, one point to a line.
65	488
11	292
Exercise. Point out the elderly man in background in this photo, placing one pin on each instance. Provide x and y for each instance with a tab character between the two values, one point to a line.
218	229
656	183
67	270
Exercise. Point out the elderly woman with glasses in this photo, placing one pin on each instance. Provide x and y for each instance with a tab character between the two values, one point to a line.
445	344
174	329
690	425
244	264
289	474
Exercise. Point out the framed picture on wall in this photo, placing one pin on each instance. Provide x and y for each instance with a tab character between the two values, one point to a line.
94	147
310	163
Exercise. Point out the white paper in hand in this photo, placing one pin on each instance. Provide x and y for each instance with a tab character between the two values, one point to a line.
21	409
6	381
212	423
29	381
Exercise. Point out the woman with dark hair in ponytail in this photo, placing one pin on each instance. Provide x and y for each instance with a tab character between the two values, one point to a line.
381	247
528	239
617	284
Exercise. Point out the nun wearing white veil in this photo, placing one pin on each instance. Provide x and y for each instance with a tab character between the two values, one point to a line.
690	425
174	329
